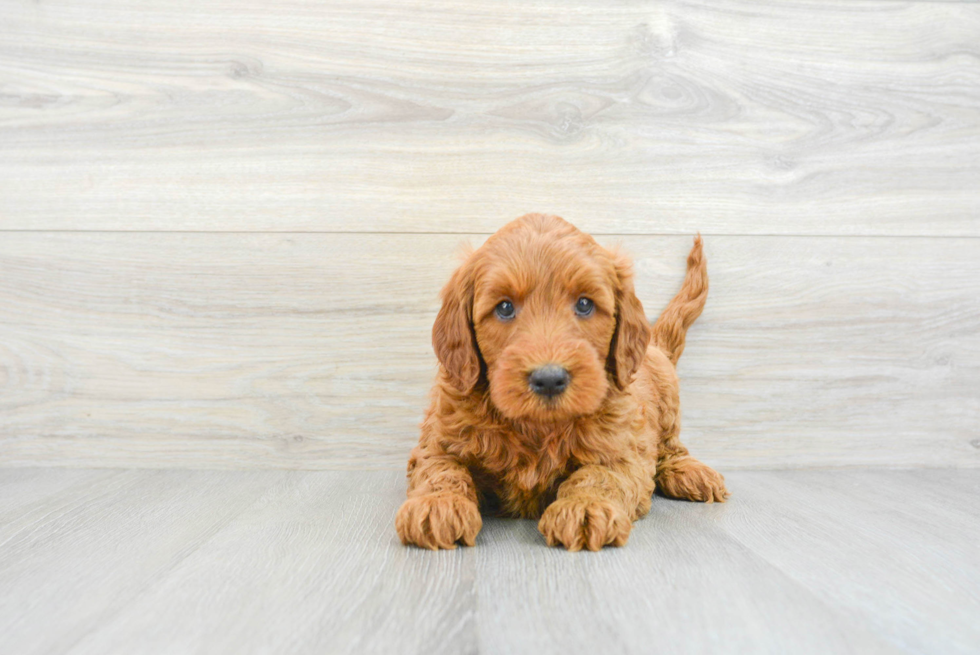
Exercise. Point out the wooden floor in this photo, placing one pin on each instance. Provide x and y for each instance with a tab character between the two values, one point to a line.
177	561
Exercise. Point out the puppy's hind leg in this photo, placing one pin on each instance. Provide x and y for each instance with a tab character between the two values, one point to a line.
688	479
681	476
678	474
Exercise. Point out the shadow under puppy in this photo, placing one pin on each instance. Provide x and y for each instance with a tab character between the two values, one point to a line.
555	398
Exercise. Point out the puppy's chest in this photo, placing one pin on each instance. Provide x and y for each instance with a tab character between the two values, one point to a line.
520	475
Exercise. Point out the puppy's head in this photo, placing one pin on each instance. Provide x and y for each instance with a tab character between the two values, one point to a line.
543	316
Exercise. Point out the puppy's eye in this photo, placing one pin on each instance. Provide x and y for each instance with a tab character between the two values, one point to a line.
504	310
584	307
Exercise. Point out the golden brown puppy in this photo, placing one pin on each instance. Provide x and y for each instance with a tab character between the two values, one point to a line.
555	397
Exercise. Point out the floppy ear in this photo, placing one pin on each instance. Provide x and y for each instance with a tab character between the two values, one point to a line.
633	332
453	337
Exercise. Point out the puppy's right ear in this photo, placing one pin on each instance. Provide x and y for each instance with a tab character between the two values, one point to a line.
453	337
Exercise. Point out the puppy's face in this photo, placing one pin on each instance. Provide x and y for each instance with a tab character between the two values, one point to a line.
547	316
544	313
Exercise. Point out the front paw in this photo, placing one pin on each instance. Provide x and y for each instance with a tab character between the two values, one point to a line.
585	522
438	520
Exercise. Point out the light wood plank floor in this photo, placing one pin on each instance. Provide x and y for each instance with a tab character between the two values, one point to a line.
177	561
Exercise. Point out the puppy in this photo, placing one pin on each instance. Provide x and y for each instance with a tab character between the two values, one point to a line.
555	398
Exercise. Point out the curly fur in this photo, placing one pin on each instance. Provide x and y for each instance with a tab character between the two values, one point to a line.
585	462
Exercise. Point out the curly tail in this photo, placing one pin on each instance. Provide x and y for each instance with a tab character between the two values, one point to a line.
670	330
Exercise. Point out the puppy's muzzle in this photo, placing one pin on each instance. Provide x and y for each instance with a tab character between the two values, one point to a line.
548	381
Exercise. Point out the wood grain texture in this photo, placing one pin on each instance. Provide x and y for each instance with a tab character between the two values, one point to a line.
308	562
731	117
313	351
90	549
697	590
904	551
222	227
328	575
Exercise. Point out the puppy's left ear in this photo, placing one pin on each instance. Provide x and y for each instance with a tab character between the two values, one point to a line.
633	332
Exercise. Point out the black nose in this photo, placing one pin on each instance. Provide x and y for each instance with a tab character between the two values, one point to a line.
548	380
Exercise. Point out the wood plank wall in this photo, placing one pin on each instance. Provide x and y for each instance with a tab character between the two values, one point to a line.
223	225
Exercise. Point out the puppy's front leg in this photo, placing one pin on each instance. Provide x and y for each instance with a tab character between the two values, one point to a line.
442	504
596	506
